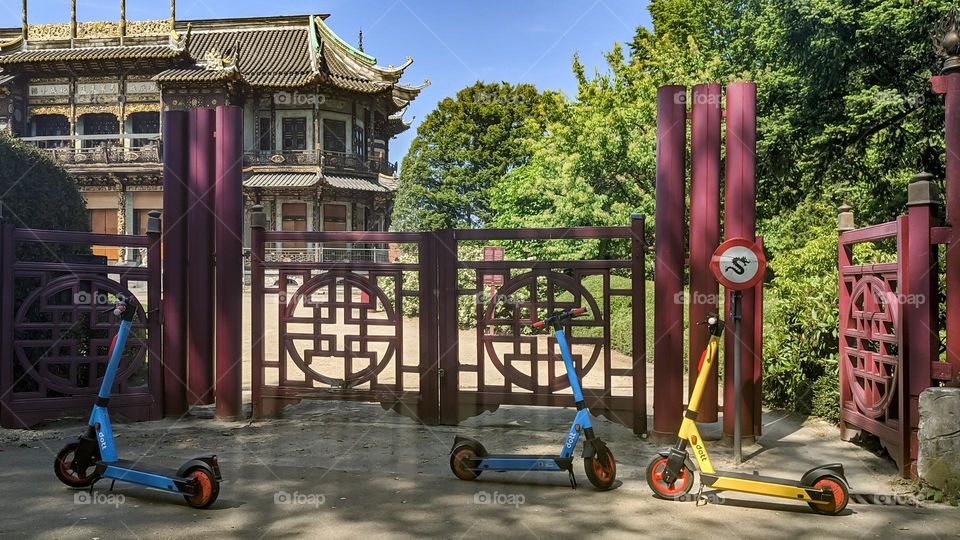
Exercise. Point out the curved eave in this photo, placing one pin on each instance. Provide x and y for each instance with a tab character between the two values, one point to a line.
15	41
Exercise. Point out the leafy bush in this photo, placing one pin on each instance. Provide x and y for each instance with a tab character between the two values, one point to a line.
801	332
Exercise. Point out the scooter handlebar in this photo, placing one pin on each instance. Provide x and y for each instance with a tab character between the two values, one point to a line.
559	316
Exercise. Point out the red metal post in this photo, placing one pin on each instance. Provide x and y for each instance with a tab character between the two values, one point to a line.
949	85
258	226
154	324
445	245
741	221
200	219
704	232
175	180
845	223
229	257
920	306
669	258
638	249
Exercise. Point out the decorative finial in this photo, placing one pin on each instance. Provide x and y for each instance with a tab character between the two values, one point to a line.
946	41
360	46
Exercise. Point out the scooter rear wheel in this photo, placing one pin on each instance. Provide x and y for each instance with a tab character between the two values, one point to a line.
840	496
63	467
459	466
678	489
206	485
601	473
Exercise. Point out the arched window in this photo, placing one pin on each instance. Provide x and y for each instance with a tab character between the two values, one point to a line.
147	123
99	124
50	125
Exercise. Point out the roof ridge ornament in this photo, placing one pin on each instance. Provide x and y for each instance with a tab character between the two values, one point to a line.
946	41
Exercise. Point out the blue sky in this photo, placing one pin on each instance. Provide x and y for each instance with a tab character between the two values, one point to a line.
454	43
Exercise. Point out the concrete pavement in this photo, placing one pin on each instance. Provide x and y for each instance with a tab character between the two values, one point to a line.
349	470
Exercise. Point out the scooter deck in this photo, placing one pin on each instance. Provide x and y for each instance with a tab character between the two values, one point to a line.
164	478
711	478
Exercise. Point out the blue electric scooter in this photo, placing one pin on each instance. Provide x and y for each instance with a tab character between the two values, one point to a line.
93	456
468	458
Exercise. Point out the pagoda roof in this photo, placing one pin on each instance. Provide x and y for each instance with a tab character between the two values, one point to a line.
271	52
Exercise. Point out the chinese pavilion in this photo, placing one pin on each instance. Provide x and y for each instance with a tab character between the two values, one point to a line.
319	114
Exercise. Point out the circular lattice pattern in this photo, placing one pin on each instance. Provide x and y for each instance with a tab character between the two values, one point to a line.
63	332
530	285
348	311
871	360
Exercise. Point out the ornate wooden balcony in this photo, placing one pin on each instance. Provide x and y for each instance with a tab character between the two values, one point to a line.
330	161
100	149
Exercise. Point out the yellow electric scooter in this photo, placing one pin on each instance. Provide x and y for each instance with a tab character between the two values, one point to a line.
670	473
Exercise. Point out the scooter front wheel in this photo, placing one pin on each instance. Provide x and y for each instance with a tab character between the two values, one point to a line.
207	488
679	488
840	496
601	472
458	464
64	468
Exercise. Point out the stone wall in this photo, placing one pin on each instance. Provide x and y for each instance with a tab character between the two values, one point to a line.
939	463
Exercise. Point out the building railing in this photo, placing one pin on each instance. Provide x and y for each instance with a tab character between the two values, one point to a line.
330	161
319	254
100	149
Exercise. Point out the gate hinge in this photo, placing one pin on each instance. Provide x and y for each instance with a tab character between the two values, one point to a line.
441	372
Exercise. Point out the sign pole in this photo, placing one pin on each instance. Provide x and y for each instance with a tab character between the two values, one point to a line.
737	297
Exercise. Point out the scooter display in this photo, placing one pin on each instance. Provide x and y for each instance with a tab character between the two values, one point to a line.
468	458
93	456
670	474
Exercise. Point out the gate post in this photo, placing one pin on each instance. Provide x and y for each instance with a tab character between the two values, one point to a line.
704	233
740	214
638	249
449	343
668	272
7	260
429	408
845	222
258	226
229	257
920	307
200	263
175	174
154	326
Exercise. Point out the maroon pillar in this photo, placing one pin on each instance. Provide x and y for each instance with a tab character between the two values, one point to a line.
949	84
920	307
741	221
704	232
175	181
229	256
201	219
668	265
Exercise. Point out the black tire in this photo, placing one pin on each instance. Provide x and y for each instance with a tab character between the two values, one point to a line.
841	495
208	488
601	473
675	491
457	465
63	468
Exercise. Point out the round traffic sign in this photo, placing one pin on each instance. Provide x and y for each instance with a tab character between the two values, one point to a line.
738	264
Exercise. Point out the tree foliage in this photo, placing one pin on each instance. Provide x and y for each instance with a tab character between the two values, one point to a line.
464	147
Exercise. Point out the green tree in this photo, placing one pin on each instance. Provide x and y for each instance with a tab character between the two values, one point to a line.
464	147
37	192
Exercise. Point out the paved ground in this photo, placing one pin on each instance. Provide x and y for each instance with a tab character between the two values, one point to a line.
344	470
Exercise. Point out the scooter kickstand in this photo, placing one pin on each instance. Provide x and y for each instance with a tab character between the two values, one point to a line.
112	483
701	500
573	480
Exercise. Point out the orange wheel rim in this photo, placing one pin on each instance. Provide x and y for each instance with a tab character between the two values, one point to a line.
837	490
677	487
603	470
204	487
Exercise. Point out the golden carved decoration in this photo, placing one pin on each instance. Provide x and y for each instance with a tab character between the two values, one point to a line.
98	108
98	29
132	108
154	27
50	109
